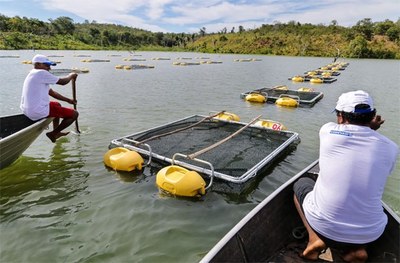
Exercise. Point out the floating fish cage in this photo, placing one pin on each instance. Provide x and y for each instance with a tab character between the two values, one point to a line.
308	98
327	80
236	160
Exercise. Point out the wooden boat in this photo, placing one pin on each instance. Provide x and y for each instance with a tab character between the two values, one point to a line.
270	232
17	133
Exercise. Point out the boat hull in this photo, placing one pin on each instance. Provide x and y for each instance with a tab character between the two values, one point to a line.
263	234
18	132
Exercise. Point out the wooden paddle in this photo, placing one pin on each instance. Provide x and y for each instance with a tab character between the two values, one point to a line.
75	107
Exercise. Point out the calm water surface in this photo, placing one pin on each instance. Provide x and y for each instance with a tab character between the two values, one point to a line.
59	203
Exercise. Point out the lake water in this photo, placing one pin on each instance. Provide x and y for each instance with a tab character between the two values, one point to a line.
60	204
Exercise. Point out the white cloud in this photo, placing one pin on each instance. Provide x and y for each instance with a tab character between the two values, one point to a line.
190	15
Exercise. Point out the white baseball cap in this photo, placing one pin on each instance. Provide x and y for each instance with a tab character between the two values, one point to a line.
42	59
347	102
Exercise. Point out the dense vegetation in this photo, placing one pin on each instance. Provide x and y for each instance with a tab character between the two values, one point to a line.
366	39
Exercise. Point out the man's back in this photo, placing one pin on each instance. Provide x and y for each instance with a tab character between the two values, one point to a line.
354	164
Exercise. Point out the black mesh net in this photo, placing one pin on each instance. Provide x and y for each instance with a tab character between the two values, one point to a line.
234	157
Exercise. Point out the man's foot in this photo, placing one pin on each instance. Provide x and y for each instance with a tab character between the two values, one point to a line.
53	137
358	255
313	249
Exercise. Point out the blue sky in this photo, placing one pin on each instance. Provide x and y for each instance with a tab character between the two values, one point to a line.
189	16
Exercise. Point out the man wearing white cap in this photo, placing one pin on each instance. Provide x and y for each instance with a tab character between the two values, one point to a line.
343	209
35	101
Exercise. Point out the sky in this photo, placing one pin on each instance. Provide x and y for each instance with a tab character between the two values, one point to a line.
189	16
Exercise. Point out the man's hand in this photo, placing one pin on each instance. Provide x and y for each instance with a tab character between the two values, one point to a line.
73	76
376	122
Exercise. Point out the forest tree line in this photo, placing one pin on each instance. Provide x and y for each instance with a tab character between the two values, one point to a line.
366	39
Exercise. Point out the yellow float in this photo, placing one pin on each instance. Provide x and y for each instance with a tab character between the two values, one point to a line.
122	159
303	89
298	79
180	181
128	67
287	101
316	80
311	73
270	124
227	116
326	74
119	66
256	97
281	87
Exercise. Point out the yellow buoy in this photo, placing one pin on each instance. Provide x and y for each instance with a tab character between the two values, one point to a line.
326	74
256	97
311	73
287	101
270	124
316	80
282	87
180	181
122	159
303	89
227	116
119	66
298	79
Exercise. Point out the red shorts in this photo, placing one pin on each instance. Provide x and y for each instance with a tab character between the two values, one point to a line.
56	110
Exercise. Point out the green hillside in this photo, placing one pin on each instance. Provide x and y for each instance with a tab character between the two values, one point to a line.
366	39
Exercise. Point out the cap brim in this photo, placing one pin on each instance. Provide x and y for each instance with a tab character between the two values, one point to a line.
50	63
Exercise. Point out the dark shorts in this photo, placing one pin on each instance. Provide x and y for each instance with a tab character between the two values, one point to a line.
57	111
301	188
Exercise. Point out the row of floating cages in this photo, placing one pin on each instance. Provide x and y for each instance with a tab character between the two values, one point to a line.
62	71
259	143
246	60
30	62
323	74
134	59
178	63
9	56
312	79
135	66
335	66
283	96
95	60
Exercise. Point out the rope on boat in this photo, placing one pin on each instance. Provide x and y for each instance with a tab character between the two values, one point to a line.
180	129
194	155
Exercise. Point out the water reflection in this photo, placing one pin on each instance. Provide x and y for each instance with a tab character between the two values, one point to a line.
40	188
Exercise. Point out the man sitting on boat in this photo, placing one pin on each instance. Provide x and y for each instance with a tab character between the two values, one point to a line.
35	101
343	208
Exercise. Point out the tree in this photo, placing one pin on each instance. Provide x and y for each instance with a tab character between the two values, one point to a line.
202	31
393	33
63	25
365	28
359	48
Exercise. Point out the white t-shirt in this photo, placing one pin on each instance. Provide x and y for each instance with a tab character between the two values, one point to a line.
35	93
345	204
